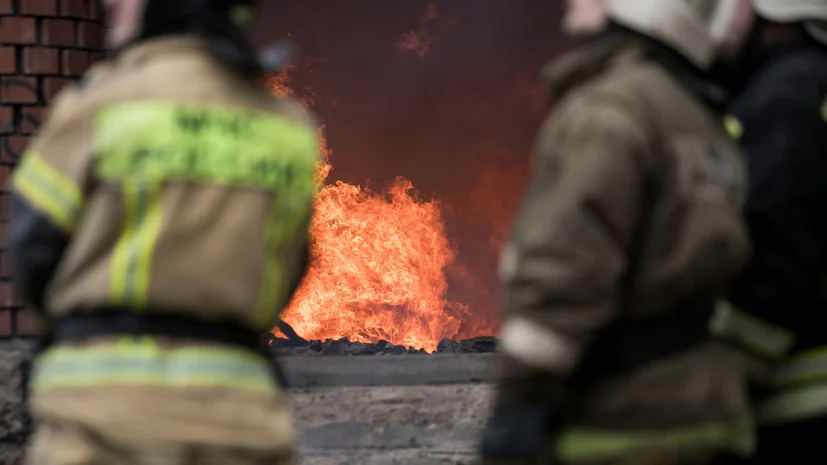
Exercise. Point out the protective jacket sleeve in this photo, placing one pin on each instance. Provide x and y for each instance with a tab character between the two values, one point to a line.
36	246
47	197
785	137
563	268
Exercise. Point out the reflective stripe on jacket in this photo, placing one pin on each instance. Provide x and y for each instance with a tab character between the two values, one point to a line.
142	361
757	335
584	445
798	389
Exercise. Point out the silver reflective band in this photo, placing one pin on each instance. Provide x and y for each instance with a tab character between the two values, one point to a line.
762	337
143	362
537	346
807	367
508	263
793	405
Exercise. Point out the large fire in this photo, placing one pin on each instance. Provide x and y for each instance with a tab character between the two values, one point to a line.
378	265
382	263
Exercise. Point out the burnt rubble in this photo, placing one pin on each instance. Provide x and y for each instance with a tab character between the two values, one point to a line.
298	346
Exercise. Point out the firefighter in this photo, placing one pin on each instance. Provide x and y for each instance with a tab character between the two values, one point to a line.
629	234
780	119
160	224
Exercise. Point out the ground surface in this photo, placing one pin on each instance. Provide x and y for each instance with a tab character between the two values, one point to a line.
413	410
388	370
357	410
412	425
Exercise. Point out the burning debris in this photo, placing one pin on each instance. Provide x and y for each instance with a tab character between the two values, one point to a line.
293	344
298	347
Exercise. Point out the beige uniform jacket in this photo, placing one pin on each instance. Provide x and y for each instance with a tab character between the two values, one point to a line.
634	208
184	188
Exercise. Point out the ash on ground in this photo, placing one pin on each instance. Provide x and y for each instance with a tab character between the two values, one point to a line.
297	346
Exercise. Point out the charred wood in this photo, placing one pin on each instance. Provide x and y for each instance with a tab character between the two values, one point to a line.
290	347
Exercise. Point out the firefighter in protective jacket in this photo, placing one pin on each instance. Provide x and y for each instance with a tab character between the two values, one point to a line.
160	223
629	233
780	119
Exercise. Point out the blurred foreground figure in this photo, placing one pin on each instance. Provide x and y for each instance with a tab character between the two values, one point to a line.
160	224
629	234
783	130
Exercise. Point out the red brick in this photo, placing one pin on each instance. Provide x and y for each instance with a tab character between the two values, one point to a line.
51	86
29	323
90	35
8	60
7	296
4	206
6	7
75	62
5	324
6	120
74	8
10	298
18	89
58	32
30	119
16	30
5	175
39	7
95	11
12	147
41	60
5	266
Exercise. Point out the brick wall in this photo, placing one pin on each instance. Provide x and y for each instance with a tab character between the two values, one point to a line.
44	44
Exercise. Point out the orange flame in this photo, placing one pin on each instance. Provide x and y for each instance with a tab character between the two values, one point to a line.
378	264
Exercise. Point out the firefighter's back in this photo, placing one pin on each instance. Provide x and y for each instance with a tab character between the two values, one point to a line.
189	194
666	381
629	234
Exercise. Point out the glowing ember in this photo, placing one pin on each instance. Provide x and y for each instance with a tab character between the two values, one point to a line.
378	266
419	41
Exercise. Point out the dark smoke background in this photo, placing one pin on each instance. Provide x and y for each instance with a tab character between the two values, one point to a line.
458	121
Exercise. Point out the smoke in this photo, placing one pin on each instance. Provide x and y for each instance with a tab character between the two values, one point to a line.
443	93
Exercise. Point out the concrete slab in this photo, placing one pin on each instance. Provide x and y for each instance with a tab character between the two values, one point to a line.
388	370
384	425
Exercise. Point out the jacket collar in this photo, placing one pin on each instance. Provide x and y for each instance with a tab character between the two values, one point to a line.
570	70
140	52
584	63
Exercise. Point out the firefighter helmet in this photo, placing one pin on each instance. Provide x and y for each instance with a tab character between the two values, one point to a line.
223	24
694	28
188	16
786	11
812	12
